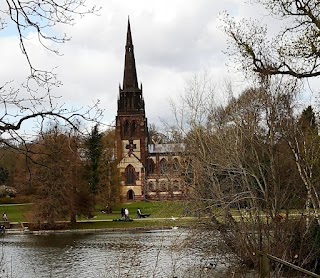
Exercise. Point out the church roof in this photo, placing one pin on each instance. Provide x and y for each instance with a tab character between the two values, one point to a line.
166	148
130	80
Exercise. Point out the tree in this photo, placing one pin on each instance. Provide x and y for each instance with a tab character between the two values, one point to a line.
37	100
304	143
155	136
56	177
101	169
42	17
307	121
109	190
295	51
8	161
245	176
4	175
94	154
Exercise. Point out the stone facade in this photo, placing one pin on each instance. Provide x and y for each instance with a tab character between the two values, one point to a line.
148	171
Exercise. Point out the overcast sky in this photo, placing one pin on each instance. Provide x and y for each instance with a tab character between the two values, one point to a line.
173	41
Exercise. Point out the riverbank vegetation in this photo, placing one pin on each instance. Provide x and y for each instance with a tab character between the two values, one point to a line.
258	153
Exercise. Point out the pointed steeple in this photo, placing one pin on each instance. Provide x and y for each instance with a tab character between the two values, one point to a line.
130	80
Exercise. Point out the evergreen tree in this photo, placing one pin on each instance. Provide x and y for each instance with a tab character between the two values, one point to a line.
4	175
307	121
94	153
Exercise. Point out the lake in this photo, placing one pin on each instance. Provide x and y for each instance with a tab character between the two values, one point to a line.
122	254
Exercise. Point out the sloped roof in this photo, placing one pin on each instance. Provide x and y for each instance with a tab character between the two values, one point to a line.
166	148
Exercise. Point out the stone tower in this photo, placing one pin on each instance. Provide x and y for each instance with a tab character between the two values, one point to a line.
131	129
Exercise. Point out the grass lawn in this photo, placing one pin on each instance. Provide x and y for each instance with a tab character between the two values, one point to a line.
15	212
164	209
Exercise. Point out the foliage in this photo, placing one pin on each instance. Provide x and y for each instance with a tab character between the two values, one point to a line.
101	170
4	175
94	153
307	121
8	163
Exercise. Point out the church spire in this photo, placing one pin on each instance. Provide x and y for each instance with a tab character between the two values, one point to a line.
130	80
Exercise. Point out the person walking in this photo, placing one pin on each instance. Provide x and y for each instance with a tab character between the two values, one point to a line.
126	214
4	217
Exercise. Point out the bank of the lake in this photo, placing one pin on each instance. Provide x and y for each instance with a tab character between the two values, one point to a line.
163	215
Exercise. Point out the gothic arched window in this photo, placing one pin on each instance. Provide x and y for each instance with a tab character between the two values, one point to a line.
125	128
133	128
130	174
176	165
150	166
163	166
151	186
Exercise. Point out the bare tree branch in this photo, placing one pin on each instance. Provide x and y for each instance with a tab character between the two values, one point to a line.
295	51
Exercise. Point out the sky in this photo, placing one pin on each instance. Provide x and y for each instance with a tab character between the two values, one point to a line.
173	41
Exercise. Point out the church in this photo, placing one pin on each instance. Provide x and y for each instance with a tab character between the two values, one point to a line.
148	171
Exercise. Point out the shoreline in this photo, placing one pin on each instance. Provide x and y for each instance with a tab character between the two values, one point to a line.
24	230
86	231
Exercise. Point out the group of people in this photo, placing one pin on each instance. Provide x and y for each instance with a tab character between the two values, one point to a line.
2	226
125	214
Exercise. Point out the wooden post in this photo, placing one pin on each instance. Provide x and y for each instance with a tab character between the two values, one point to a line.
264	266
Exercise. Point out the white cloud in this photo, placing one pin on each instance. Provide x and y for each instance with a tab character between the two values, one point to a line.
173	40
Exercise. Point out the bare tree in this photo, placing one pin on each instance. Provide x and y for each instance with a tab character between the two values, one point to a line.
34	101
42	17
57	180
295	51
245	179
305	146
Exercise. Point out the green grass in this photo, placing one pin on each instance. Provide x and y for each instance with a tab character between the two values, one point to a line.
16	212
164	209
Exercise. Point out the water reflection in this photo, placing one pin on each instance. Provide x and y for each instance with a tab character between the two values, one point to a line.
154	254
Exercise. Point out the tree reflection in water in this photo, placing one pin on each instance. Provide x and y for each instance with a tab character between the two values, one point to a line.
126	254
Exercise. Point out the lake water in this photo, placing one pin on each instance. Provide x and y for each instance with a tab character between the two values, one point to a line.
128	254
